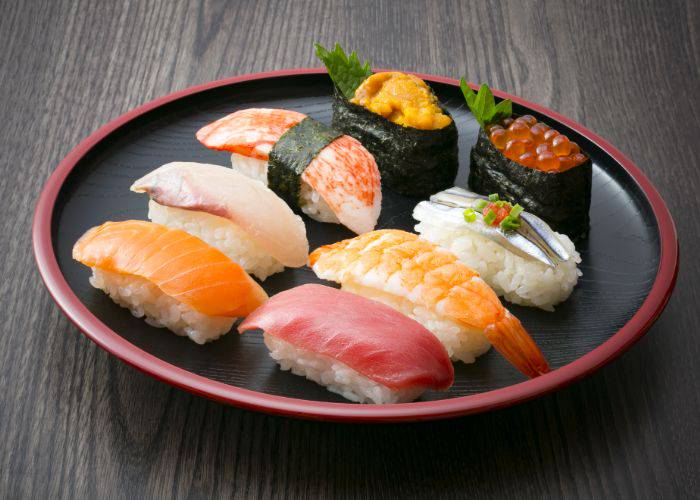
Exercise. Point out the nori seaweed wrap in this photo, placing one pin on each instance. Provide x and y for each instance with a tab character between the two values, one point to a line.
562	199
411	161
292	153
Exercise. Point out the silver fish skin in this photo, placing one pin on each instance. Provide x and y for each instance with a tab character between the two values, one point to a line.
533	239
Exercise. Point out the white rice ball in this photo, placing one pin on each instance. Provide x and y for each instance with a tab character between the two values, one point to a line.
143	298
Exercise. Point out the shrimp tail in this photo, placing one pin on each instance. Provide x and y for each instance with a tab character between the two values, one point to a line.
509	337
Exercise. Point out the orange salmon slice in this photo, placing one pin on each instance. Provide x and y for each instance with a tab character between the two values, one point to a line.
179	264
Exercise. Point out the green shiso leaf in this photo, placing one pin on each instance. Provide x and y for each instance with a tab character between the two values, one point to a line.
469	94
469	215
503	109
347	72
483	105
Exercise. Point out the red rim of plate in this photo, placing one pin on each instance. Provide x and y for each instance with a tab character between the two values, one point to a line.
112	342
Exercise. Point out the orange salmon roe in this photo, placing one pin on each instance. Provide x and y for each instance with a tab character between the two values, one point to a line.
535	145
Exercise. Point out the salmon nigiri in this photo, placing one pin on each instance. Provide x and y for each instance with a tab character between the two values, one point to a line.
356	347
173	278
430	285
330	176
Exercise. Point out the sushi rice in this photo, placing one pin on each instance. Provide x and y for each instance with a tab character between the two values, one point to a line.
337	377
311	203
527	282
143	298
220	233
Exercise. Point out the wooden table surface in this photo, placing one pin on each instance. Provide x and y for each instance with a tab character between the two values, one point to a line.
76	423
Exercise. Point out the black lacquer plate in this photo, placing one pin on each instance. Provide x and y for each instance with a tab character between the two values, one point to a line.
621	257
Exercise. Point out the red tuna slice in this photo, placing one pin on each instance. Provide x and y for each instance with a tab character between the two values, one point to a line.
371	338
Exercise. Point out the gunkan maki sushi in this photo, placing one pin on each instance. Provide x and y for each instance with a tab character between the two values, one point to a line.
398	118
530	163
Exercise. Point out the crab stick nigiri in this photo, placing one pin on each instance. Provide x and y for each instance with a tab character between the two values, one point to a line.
356	347
228	210
331	177
171	277
429	284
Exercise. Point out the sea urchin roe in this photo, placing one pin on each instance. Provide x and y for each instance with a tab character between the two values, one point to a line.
403	99
533	144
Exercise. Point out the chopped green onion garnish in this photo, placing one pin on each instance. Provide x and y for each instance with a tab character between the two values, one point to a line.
490	217
493	197
516	210
481	204
510	223
469	215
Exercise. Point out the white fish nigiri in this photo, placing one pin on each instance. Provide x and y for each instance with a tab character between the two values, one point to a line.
238	215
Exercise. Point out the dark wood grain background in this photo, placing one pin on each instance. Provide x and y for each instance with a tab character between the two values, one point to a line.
76	423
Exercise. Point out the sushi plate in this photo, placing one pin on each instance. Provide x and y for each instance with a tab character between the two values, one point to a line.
630	259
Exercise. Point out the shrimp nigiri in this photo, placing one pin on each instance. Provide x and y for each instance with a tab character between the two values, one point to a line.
429	284
171	277
331	177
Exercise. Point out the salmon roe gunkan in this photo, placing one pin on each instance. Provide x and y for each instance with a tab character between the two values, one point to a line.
534	144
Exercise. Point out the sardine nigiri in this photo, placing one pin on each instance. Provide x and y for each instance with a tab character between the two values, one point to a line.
429	284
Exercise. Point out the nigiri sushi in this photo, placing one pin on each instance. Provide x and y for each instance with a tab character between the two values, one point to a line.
237	215
328	175
356	347
428	283
173	278
398	118
515	252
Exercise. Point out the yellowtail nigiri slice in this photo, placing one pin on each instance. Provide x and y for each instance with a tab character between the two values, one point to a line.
238	215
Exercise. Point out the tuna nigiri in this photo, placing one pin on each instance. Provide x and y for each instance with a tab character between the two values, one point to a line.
430	285
173	278
230	211
356	347
330	176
